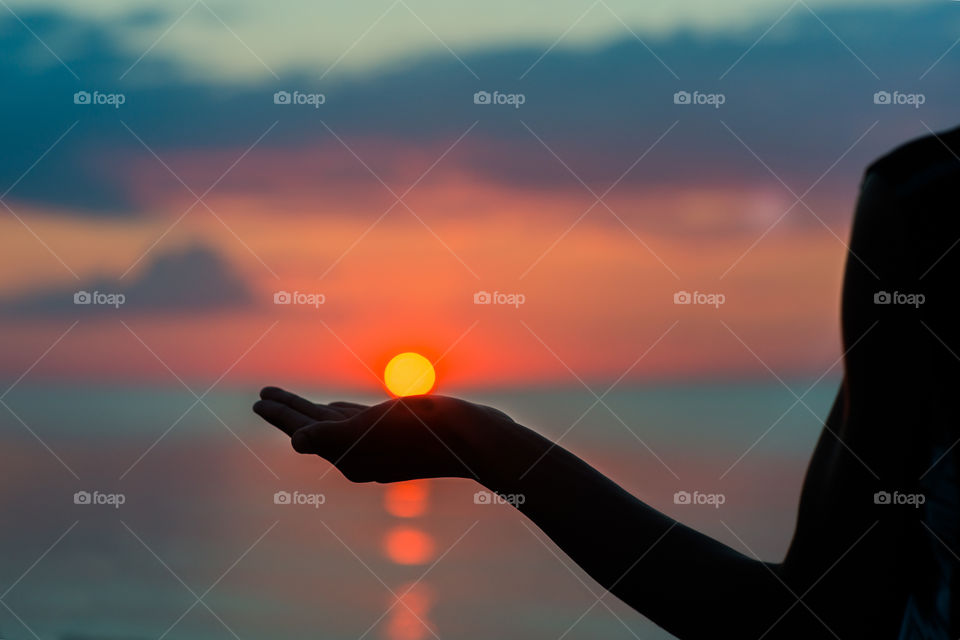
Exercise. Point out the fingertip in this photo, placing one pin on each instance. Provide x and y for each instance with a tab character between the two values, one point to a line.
301	441
258	407
268	393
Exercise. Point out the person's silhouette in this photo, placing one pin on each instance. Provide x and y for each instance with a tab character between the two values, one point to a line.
860	565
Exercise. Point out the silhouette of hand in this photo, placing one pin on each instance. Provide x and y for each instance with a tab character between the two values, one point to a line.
401	439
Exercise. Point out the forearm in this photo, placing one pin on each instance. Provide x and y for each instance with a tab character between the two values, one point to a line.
686	582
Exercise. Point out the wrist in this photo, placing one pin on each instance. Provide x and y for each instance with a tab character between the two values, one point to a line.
501	451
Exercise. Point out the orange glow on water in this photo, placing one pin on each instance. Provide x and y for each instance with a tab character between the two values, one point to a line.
409	618
407	499
408	545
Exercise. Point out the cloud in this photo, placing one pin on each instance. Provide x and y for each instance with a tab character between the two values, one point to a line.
798	99
192	279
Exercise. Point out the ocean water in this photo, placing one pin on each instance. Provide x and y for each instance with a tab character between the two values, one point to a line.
191	538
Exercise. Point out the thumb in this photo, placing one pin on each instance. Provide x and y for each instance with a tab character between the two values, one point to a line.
326	438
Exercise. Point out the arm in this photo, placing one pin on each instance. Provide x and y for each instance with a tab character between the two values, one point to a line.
688	583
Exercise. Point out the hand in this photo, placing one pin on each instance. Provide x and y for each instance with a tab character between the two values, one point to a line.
402	439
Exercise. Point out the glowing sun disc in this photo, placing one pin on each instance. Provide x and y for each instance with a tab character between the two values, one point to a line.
409	374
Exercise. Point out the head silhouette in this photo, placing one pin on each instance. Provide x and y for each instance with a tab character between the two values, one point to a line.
901	320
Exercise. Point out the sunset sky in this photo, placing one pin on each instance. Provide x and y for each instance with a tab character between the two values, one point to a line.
399	198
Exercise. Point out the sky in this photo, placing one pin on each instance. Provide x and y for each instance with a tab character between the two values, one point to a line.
584	198
301	34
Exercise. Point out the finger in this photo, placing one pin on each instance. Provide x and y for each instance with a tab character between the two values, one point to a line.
333	438
348	408
298	403
281	416
330	439
348	405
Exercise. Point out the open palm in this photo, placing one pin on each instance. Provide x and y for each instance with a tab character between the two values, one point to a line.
400	439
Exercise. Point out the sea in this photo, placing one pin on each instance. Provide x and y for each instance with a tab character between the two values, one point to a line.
140	512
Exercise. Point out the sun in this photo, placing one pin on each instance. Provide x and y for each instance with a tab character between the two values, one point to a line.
409	374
